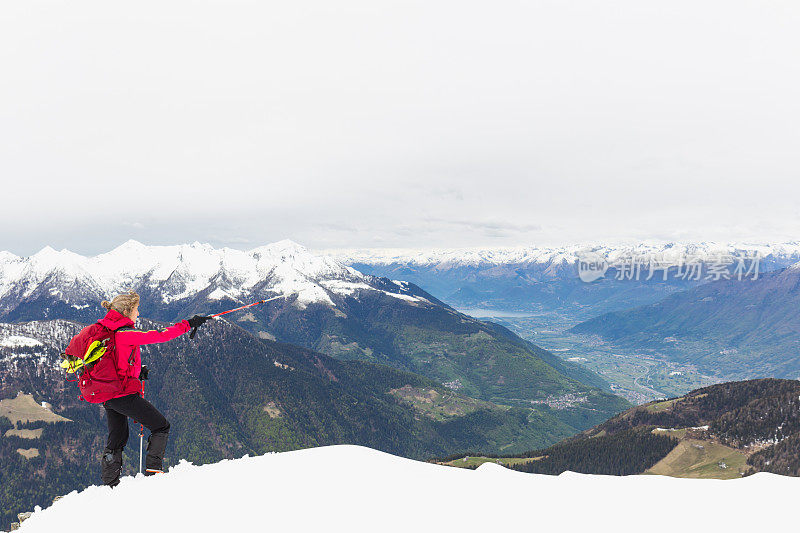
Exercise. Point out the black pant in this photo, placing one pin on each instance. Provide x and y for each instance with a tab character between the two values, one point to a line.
140	410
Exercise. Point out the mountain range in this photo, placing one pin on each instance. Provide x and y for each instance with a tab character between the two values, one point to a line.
546	280
326	306
728	328
443	258
343	357
61	284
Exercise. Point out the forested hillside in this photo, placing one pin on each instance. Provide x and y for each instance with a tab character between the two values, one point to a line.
226	394
722	431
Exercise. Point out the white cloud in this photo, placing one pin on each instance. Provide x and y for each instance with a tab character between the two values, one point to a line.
398	120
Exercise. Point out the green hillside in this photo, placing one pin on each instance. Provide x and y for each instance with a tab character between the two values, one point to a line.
723	432
227	394
478	359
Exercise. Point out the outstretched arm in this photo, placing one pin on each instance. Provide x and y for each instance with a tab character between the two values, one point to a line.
135	336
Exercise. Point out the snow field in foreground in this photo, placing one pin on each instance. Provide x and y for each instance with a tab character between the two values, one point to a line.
353	488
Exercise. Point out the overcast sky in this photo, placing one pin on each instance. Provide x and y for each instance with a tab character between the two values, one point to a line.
407	123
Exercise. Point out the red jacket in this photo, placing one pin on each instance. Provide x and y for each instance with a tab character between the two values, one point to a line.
127	347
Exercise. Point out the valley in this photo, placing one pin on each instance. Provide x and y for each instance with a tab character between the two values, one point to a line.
729	329
648	337
638	375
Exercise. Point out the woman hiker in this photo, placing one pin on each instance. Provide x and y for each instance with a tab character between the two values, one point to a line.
126	400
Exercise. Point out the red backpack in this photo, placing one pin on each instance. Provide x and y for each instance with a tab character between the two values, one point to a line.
91	356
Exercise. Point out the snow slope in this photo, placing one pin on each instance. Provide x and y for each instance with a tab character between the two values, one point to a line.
352	488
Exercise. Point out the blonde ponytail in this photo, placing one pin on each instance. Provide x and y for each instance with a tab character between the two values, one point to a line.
124	303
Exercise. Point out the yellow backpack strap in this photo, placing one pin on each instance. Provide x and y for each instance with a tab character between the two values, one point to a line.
70	364
93	353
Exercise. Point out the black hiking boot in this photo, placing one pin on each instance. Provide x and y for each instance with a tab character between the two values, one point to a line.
111	467
154	462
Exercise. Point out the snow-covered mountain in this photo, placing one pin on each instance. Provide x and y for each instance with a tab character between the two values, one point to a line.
353	488
782	253
181	272
329	308
176	273
536	279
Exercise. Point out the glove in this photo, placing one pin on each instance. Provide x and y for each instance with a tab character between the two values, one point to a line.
197	320
143	373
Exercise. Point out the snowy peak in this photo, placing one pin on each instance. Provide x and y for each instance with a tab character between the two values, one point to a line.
127	247
7	257
298	258
286	246
179	272
783	253
48	259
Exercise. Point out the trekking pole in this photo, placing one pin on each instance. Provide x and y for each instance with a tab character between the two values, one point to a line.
194	330
143	377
